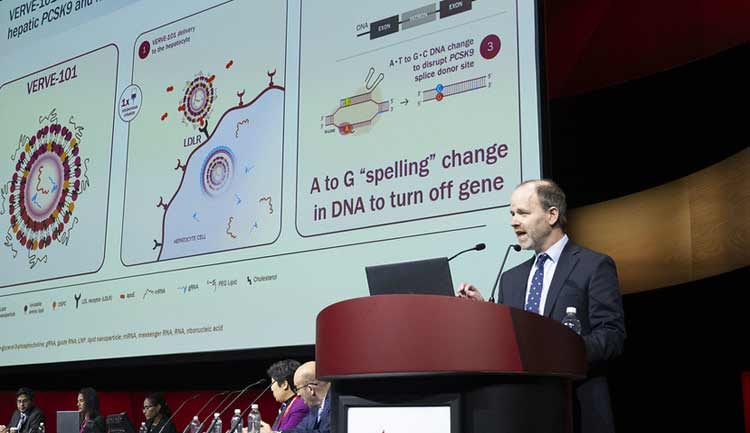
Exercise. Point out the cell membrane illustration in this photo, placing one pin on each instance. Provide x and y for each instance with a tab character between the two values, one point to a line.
224	200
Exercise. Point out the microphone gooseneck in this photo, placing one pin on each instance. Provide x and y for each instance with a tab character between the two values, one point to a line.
477	247
228	394
256	399
177	410
515	247
210	400
204	406
213	422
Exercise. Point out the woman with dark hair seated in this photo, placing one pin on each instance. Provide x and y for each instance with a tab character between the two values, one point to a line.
157	414
293	409
91	420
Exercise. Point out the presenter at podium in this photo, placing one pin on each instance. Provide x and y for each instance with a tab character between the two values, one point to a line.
562	274
157	414
91	419
27	416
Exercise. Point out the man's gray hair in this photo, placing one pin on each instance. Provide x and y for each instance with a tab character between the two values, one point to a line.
551	195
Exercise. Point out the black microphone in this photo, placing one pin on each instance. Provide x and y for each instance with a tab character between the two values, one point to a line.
477	247
177	410
256	399
204	406
497	280
213	422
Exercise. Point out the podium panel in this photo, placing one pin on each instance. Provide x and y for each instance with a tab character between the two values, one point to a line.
491	367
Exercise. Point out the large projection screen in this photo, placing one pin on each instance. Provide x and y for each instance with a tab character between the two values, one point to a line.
199	176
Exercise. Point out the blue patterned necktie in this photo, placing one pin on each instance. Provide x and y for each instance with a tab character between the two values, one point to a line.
537	281
279	417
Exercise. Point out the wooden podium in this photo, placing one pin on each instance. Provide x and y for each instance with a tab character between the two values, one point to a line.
500	369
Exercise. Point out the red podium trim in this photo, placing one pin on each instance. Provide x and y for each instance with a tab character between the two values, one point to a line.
415	334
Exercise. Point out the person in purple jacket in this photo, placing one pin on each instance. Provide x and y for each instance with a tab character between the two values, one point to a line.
293	408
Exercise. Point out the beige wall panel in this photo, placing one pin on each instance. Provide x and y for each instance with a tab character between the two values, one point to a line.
647	234
720	216
692	228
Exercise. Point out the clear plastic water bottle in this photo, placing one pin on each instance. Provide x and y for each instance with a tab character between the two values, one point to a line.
253	419
41	428
217	424
143	428
195	425
571	321
236	425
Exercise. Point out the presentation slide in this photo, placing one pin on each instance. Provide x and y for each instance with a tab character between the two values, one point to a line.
214	107
199	176
383	132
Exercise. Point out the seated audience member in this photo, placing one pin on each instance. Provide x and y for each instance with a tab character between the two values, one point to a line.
27	417
316	396
293	408
90	418
157	414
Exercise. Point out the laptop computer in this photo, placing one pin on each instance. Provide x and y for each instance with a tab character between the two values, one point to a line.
67	421
425	277
119	423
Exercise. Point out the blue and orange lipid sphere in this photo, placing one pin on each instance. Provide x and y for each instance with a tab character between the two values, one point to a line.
45	187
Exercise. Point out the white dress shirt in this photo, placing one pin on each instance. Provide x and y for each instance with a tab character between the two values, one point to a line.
550	265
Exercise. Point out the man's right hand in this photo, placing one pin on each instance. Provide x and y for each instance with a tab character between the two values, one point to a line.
3	429
265	427
467	291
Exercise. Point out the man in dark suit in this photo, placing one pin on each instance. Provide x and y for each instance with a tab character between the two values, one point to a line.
315	394
27	417
560	275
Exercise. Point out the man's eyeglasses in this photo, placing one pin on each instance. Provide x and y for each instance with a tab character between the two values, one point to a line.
22	400
147	407
308	385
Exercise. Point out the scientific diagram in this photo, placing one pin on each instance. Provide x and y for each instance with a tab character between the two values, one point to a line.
439	77
56	127
49	177
439	92
198	99
358	112
205	151
413	18
222	202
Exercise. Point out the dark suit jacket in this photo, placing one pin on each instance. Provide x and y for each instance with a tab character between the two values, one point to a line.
95	425
310	423
588	281
162	427
34	417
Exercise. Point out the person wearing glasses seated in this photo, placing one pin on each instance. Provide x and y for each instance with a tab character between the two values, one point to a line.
316	396
293	408
89	416
27	417
157	414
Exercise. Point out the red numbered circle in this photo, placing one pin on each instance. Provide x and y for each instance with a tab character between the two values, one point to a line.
144	50
490	46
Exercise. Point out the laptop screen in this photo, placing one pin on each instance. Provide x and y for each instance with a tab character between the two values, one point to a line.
426	277
67	421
